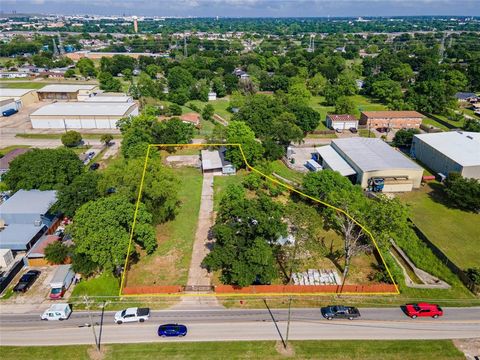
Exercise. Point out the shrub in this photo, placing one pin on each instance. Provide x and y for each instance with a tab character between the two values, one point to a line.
56	252
106	138
175	110
474	275
463	193
71	138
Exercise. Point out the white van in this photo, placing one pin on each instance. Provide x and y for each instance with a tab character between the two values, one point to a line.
57	312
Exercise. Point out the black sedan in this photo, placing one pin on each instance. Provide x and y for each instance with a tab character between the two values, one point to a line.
26	281
340	312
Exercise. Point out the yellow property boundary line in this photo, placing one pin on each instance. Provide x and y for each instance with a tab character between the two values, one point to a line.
288	187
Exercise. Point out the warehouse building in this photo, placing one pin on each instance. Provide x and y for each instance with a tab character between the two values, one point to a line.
67	92
21	97
391	119
105	97
372	160
446	152
81	115
341	122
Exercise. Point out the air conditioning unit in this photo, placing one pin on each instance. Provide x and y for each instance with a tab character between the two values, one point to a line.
37	222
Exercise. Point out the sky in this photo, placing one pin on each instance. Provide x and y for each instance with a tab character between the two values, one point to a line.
246	8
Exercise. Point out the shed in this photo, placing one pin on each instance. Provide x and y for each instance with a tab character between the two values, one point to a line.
341	122
212	95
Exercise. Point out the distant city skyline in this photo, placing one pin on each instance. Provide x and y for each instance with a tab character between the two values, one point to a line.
247	8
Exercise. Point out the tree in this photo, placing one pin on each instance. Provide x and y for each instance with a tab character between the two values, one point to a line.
175	110
238	132
243	232
344	105
219	87
56	252
332	93
179	78
172	131
404	137
70	73
299	94
101	230
208	111
317	84
471	125
71	138
86	67
160	185
463	193
106	139
43	169
179	96
82	189
305	117
284	129
135	142
387	91
109	83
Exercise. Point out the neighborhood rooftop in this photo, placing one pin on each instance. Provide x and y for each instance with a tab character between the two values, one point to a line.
61	88
29	202
14	92
460	146
393	114
84	108
211	159
335	161
373	154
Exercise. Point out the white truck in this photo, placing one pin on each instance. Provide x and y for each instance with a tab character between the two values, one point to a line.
57	312
132	315
61	281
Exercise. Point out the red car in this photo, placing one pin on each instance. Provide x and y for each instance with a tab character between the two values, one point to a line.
423	309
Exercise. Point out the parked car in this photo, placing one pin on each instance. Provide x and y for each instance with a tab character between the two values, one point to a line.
424	310
26	281
353	130
132	315
9	112
57	312
172	330
94	166
340	312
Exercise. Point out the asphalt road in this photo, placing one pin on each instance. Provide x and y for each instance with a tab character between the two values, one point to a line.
224	325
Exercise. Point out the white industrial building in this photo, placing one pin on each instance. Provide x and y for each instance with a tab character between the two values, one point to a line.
81	115
365	160
446	152
20	97
110	98
67	92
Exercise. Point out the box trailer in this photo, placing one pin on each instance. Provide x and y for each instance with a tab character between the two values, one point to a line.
61	281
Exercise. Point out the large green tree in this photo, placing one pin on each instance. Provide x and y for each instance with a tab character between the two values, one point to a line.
45	169
239	133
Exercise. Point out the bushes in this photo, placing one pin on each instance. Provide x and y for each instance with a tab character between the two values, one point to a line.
56	252
474	275
463	193
71	138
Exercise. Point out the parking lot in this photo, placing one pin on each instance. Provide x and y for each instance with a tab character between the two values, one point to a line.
20	122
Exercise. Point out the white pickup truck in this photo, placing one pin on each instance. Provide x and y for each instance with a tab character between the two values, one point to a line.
132	315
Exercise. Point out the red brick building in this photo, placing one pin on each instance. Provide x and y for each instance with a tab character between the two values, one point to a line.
391	119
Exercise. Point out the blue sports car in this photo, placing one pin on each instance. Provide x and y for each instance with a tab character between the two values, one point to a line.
172	330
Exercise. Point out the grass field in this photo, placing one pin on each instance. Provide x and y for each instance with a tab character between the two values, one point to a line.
454	231
22	85
104	285
169	264
281	169
220	106
366	133
327	350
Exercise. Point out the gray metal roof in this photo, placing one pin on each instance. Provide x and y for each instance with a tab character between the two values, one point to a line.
8	92
66	88
17	236
335	161
29	202
84	109
109	99
373	154
461	146
211	159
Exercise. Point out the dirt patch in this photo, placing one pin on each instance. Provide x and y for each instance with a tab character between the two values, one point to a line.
289	351
94	354
470	347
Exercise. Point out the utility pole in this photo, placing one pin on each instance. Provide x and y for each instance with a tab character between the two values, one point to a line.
87	305
185	52
288	321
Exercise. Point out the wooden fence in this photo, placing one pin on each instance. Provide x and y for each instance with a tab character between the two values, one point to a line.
138	290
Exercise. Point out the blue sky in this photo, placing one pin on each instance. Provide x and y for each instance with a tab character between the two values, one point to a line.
247	8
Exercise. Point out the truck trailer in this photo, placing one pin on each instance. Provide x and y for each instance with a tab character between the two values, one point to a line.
61	281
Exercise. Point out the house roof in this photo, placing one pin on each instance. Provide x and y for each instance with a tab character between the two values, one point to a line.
392	114
211	159
8	158
464	95
29	202
66	88
334	160
17	236
463	147
84	108
373	154
14	92
342	117
38	250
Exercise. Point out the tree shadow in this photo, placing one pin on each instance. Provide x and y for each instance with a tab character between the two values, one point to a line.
439	196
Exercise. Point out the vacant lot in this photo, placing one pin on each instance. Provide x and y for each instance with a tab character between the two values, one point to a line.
454	231
334	350
168	265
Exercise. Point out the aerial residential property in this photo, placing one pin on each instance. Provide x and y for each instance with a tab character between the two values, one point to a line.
391	119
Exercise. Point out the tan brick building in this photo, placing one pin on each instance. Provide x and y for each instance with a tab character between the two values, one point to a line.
391	119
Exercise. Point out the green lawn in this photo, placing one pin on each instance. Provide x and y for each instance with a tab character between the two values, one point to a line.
220	183
7	149
281	169
333	350
220	106
454	231
169	264
23	85
366	133
104	285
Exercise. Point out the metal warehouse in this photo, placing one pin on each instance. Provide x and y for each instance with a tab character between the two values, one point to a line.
373	159
446	152
66	92
22	97
81	115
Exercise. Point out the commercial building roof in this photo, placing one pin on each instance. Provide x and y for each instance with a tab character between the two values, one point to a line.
84	108
17	236
66	88
14	92
373	154
29	202
211	159
335	161
461	146
109	99
8	158
392	114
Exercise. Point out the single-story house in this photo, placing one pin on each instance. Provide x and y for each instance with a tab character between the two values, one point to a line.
188	118
213	161
22	97
391	119
466	96
341	122
69	92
